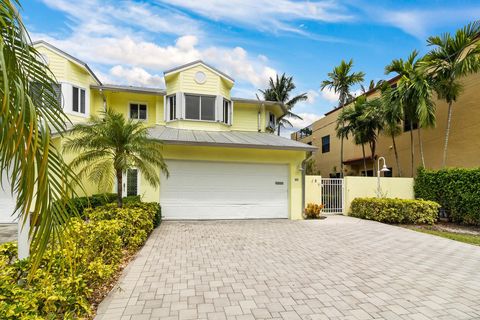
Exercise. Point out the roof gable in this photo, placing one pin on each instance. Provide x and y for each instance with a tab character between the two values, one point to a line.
76	61
197	63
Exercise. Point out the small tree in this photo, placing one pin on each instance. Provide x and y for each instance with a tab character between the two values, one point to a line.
341	80
452	58
108	146
279	90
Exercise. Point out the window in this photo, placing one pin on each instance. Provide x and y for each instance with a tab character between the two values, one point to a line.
39	94
138	111
226	111
172	107
407	126
78	100
271	120
326	144
200	107
132	182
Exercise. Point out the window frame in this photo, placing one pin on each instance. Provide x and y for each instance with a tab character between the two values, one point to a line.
272	124
227	112
138	103
326	146
79	100
200	106
171	116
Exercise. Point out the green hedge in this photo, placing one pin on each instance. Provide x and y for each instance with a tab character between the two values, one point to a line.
91	253
395	210
81	203
456	190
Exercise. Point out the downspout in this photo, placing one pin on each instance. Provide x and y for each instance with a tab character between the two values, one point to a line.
304	163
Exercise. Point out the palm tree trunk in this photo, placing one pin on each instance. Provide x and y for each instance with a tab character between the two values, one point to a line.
412	152
364	159
396	156
119	188
447	134
372	150
420	143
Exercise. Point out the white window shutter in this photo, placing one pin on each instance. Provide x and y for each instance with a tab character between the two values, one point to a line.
219	108
67	97
267	119
179	105
165	109
230	118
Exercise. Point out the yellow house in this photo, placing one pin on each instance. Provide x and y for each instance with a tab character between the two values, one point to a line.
223	159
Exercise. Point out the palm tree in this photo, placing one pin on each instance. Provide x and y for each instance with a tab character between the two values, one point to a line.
452	58
372	85
349	124
29	112
279	90
341	80
414	93
110	145
371	123
393	114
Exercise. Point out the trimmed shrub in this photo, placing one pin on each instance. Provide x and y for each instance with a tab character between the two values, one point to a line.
395	210
456	190
313	211
90	255
81	203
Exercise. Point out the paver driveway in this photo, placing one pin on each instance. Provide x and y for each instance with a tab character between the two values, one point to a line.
337	268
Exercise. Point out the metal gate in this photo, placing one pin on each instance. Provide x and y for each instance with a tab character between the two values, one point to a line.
333	195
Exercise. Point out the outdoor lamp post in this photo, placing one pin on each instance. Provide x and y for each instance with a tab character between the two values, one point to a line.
384	169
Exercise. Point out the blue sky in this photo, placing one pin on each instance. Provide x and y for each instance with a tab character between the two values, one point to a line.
132	42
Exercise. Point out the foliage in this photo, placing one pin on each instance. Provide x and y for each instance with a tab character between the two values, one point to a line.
395	210
341	80
456	190
29	112
86	260
313	211
451	58
311	168
109	145
280	90
462	237
79	204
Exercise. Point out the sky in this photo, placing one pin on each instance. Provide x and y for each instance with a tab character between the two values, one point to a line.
133	42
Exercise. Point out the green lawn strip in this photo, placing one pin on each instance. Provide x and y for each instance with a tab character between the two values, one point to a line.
467	238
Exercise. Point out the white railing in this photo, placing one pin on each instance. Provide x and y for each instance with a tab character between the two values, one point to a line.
333	195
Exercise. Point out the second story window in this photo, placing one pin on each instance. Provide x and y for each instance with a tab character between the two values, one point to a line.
78	100
200	107
272	120
226	111
172	107
138	111
326	144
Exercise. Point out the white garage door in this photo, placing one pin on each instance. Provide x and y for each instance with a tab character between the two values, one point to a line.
7	202
218	190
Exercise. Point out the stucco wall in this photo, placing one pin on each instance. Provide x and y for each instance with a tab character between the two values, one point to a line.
361	187
313	189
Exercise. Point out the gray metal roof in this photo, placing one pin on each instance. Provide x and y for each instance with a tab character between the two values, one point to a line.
69	56
195	62
133	89
234	139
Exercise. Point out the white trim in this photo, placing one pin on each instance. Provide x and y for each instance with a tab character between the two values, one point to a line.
139	103
87	101
195	64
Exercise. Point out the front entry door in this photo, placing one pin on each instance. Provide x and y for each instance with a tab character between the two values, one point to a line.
130	182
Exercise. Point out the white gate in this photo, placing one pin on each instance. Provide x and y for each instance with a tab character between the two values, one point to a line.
333	195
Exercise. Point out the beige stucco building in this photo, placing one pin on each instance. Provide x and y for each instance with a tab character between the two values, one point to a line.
463	147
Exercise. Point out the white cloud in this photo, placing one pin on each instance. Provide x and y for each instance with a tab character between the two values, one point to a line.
118	36
312	96
265	15
329	95
136	76
307	119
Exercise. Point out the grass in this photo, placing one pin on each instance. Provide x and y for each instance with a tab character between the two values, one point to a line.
462	237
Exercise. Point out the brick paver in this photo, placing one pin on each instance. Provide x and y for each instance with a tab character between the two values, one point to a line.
337	268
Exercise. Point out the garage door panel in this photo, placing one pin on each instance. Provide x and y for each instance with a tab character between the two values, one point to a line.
216	190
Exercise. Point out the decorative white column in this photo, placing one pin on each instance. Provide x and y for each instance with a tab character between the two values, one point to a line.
23	239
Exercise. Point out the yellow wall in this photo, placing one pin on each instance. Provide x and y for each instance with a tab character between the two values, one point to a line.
362	187
313	189
463	148
292	158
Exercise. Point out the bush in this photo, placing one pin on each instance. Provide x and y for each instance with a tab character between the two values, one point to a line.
456	190
90	255
97	200
313	211
395	210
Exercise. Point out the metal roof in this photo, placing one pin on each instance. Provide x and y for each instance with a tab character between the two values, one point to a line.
234	139
68	56
199	62
133	89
